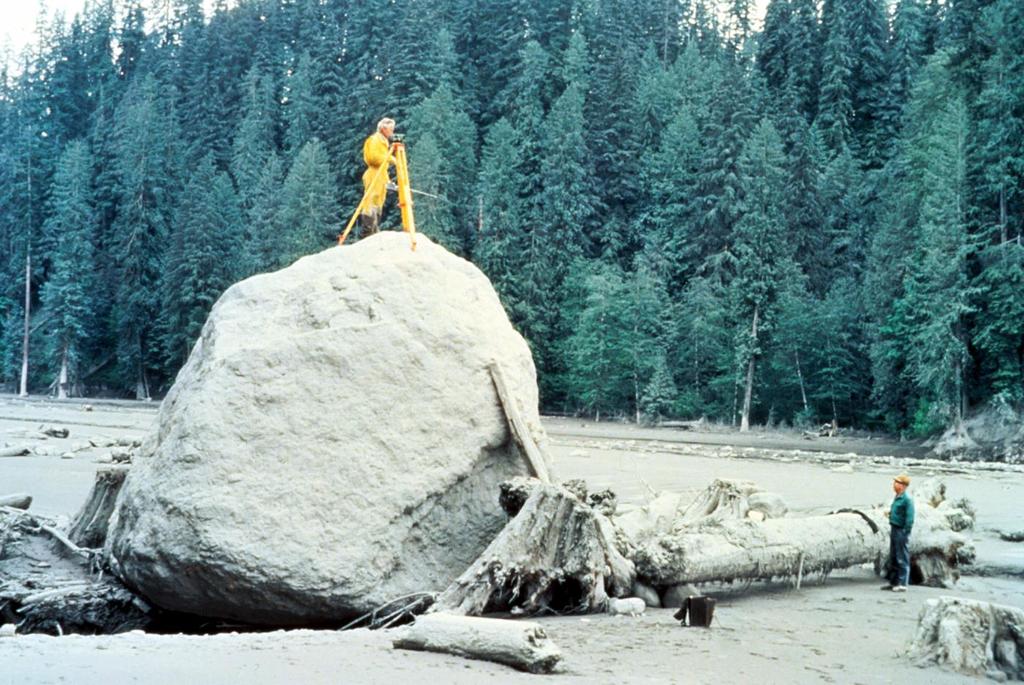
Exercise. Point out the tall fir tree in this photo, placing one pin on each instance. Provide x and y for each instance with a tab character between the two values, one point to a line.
309	214
147	153
201	261
68	295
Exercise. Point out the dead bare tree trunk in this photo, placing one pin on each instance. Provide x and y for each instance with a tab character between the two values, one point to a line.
557	554
62	381
23	388
749	390
142	383
800	379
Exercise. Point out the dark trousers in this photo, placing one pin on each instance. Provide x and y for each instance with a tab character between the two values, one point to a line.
899	556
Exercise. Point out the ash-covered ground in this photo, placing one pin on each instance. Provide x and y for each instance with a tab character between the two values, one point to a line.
839	630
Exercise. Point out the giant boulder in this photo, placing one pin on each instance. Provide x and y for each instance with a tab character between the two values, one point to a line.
334	441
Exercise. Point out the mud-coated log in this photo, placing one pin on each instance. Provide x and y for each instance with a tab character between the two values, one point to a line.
15	451
89	528
18	500
971	637
747	550
520	644
557	554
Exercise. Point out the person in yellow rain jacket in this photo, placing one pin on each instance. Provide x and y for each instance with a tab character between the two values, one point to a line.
376	153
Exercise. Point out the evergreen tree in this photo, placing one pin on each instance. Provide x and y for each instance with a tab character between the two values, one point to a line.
671	217
301	106
265	248
440	123
938	293
502	216
567	174
145	145
762	253
68	294
201	261
835	104
254	139
599	378
309	213
660	395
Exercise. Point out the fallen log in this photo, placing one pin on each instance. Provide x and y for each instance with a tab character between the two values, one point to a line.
557	554
14	451
520	644
731	550
89	527
971	637
18	500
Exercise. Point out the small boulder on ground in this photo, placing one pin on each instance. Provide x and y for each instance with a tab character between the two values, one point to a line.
334	441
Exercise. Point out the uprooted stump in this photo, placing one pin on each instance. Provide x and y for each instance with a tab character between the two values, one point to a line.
89	527
520	644
557	554
971	637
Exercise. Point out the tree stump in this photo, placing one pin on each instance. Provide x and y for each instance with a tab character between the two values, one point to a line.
89	527
971	637
557	554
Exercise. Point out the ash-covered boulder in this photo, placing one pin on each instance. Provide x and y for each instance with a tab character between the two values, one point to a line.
334	441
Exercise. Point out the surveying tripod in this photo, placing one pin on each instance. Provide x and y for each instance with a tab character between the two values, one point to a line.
401	162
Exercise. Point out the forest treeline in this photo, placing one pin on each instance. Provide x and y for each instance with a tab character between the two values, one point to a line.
684	216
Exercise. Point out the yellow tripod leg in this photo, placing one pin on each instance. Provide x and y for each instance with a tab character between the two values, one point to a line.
405	192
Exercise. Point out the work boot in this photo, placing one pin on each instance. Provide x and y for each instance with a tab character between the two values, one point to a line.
369	224
886	587
900	588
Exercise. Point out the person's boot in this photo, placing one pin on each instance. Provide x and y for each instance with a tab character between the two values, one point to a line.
368	224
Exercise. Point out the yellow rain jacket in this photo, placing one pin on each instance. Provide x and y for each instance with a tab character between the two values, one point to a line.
376	152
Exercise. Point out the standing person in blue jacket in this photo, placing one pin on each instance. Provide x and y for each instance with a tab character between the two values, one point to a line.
901	521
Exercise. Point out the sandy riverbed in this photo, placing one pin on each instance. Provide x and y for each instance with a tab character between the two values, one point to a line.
840	630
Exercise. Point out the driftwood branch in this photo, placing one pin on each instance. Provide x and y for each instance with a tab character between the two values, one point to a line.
520	644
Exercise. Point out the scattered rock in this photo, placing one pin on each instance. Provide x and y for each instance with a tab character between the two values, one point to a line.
648	594
627	606
68	455
674	596
1011	535
8	630
15	451
54	431
845	468
768	503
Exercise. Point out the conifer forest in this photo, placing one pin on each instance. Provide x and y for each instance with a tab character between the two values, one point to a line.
686	211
